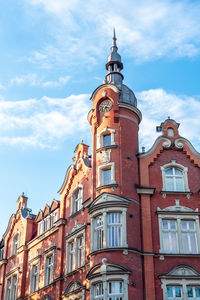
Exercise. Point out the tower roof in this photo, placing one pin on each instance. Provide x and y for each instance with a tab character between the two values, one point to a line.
114	56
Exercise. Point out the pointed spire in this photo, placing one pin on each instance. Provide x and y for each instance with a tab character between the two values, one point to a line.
114	44
114	64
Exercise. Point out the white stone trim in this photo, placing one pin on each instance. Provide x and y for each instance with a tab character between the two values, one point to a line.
178	282
105	278
103	132
110	166
105	213
184	170
178	219
78	187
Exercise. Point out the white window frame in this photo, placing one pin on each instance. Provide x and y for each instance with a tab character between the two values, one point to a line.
103	132
110	166
15	243
184	171
47	255
105	280
183	283
1	253
11	279
79	187
35	262
76	263
178	218
104	213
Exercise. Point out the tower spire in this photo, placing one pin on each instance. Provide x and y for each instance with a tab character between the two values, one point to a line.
114	64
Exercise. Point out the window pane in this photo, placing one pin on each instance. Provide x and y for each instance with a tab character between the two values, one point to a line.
179	184
197	291
169	183
106	176
177	291
114	229
169	291
107	140
178	172
168	171
190	292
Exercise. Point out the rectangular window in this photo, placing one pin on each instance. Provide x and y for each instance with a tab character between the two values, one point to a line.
49	269
170	237
114	234
98	291
41	227
106	140
174	293
11	288
71	256
188	237
80	258
115	290
99	232
193	292
34	277
106	176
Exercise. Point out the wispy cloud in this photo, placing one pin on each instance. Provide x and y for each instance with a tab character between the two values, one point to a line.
35	80
43	123
156	105
47	122
147	29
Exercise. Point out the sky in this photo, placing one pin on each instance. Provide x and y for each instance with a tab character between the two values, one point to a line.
52	57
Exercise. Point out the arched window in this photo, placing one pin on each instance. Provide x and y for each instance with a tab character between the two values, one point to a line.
174	177
106	138
77	199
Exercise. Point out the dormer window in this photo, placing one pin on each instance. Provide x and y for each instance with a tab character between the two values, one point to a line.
77	199
15	244
174	177
48	222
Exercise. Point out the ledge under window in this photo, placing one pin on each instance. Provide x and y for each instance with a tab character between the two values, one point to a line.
106	147
164	193
112	185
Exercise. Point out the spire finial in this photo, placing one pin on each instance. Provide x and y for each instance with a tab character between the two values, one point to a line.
114	44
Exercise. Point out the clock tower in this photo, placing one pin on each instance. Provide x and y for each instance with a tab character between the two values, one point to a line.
114	121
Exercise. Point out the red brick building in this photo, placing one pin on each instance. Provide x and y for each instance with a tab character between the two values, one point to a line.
127	223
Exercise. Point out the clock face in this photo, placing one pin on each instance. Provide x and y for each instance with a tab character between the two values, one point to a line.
105	106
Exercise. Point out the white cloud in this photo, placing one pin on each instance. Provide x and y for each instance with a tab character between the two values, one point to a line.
146	29
34	80
1	86
43	123
156	105
47	122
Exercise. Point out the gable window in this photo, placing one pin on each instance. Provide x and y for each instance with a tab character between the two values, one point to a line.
75	251
34	277
11	288
49	269
109	229
175	177
77	199
106	138
15	243
48	222
181	283
179	234
174	180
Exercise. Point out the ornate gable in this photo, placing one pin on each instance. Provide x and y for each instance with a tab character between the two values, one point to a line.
54	204
46	210
181	271
107	199
39	216
107	268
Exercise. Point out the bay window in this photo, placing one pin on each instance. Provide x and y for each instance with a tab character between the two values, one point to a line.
108	229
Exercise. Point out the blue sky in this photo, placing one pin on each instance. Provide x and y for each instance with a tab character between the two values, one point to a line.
52	57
